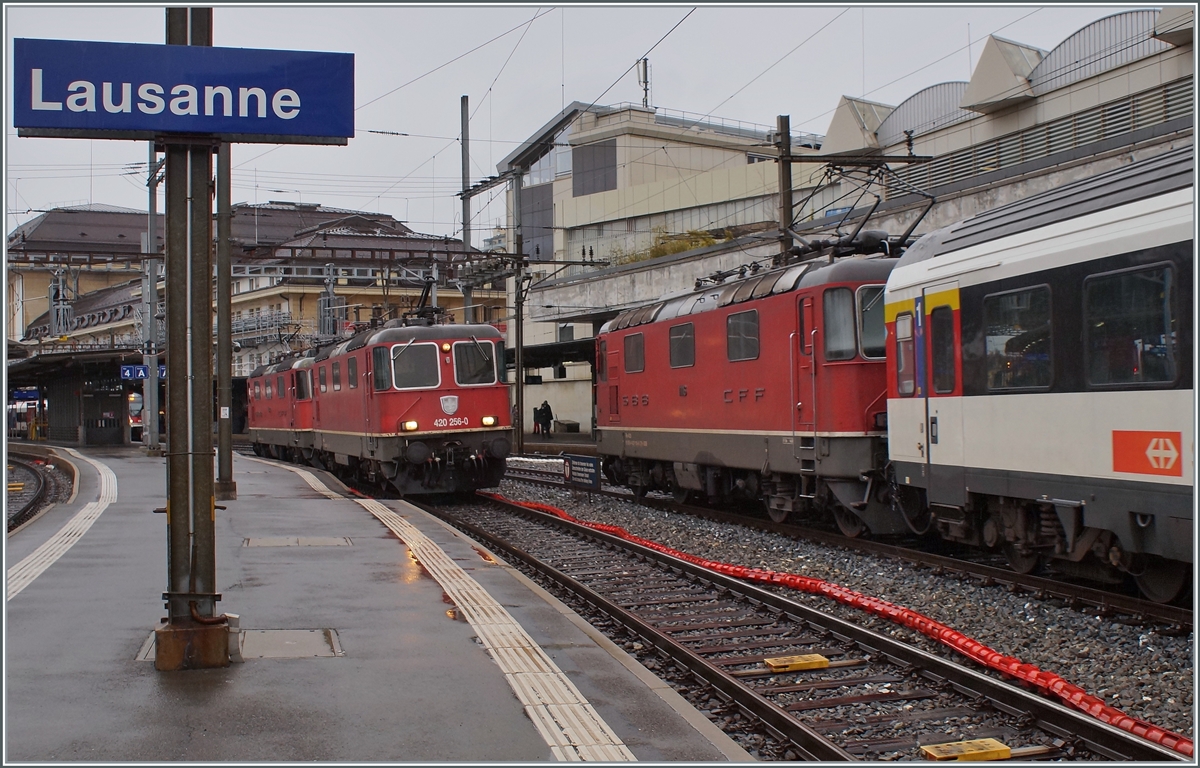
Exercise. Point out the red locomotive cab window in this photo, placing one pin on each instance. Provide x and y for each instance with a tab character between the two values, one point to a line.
906	368
602	362
279	390
352	372
321	379
807	326
268	389
303	391
257	391
337	376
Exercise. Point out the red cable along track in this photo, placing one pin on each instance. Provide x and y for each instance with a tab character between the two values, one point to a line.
1047	682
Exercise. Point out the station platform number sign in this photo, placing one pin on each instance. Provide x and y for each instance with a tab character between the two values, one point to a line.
141	372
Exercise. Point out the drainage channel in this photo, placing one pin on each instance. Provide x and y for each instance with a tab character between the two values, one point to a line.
827	689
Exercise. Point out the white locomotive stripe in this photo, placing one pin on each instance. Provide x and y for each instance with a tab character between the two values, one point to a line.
570	726
23	573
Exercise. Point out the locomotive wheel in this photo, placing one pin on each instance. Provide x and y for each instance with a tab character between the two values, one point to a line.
1021	563
848	523
779	515
681	495
1161	581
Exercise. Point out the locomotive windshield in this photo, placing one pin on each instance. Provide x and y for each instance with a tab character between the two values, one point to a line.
415	365
474	362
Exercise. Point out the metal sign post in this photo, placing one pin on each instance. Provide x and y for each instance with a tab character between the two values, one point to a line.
190	99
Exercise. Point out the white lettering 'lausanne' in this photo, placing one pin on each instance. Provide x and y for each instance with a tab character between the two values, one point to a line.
184	99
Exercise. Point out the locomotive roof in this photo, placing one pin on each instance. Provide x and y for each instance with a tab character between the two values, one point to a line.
431	332
774	281
286	364
1157	175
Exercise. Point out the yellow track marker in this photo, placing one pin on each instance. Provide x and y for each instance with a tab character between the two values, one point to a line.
974	750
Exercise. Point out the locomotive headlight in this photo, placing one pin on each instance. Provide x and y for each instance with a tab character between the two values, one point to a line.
445	346
489	421
409	426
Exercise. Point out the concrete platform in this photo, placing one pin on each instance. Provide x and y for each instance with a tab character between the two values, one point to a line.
372	632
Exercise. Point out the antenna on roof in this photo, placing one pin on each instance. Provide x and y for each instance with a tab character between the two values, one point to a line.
643	66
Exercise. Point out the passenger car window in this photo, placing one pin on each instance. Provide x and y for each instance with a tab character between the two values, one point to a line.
473	363
1017	327
838	308
906	369
635	353
415	366
683	345
741	336
1131	327
941	330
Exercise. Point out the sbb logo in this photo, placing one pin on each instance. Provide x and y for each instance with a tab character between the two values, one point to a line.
1148	453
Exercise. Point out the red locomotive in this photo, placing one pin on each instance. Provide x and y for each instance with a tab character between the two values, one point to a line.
421	408
772	385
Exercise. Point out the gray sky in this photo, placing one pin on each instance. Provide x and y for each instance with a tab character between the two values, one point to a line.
519	65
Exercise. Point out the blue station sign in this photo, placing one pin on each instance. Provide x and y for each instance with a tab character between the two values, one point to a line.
130	90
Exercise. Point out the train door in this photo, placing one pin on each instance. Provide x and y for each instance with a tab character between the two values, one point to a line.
614	389
291	384
942	390
805	371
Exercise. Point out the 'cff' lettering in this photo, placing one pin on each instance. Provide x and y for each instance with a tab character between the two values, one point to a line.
182	99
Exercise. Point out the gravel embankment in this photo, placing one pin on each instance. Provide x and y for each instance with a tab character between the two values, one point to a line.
1145	674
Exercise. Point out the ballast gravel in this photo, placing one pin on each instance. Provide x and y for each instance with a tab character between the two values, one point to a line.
1146	674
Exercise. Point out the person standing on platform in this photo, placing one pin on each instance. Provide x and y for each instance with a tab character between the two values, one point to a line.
547	417
537	420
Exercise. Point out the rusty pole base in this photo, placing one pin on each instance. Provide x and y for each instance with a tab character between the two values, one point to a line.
225	490
191	646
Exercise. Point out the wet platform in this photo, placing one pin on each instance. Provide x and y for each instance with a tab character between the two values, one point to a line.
371	632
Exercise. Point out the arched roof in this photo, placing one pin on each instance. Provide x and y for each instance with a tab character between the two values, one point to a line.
926	110
1100	46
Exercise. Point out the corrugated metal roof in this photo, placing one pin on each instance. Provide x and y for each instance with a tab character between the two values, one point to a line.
926	110
1163	173
1100	46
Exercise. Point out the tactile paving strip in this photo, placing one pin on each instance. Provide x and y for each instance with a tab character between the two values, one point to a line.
23	573
568	723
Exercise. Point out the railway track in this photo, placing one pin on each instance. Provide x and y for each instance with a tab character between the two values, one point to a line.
26	490
1167	619
812	686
